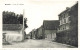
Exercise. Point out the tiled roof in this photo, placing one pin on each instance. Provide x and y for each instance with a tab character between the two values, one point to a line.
12	26
50	25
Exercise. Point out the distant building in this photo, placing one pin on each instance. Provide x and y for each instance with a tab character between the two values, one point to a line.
50	28
40	33
13	32
68	27
32	34
27	36
37	33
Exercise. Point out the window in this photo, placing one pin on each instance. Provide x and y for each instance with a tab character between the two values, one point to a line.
63	15
67	26
60	18
64	20
58	29
66	15
60	22
63	28
68	19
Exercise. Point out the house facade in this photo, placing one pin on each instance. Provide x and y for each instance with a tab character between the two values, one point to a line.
40	33
32	34
68	27
50	29
64	20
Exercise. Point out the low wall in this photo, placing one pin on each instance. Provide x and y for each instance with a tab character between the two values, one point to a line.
67	37
13	37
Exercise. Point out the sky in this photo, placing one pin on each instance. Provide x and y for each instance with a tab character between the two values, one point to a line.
40	10
37	11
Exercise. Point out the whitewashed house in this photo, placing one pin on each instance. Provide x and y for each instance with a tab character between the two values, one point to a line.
13	32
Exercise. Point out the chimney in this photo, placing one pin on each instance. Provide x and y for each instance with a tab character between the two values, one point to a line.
67	8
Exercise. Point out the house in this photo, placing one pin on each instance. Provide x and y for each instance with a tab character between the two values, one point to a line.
50	29
40	32
37	33
13	32
32	34
68	27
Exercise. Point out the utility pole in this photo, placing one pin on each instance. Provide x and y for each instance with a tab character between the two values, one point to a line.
23	27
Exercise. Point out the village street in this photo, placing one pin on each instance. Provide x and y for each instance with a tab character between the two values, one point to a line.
30	43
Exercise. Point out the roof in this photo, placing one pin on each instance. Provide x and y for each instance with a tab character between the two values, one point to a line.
50	24
65	11
68	9
74	10
12	26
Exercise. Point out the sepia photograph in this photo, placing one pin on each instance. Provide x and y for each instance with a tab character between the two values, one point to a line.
39	24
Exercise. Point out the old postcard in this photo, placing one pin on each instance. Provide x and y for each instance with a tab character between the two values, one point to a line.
39	24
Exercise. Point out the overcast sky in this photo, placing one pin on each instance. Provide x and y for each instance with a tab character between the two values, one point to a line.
37	11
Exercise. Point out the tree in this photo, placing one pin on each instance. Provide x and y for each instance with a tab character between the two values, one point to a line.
11	18
20	19
25	25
